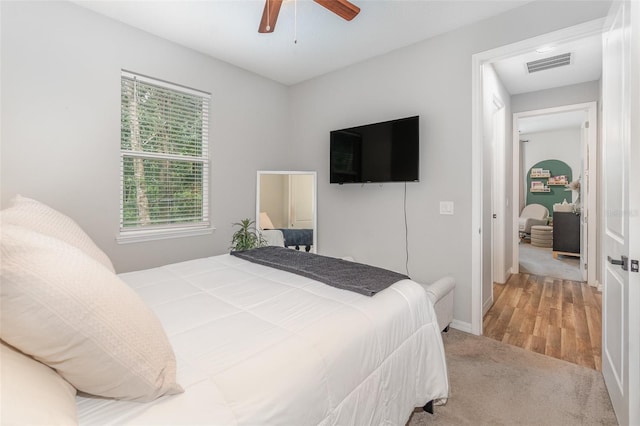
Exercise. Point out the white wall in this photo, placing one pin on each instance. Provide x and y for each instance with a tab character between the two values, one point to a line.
560	96
61	123
560	144
432	79
274	198
60	132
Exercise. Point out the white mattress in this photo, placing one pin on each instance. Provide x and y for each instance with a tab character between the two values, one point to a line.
259	346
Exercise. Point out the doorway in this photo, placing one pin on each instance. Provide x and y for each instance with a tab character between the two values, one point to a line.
569	135
550	310
483	260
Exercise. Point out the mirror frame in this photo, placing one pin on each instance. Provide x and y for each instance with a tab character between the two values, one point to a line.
314	198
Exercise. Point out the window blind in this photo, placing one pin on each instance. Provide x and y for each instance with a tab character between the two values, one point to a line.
164	155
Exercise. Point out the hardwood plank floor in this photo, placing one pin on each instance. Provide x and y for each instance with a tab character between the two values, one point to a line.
558	318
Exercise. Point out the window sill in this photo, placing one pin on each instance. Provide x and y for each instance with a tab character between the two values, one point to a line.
139	236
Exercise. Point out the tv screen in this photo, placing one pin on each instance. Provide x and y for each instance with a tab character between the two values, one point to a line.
379	152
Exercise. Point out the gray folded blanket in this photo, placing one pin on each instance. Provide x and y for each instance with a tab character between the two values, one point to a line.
363	279
297	237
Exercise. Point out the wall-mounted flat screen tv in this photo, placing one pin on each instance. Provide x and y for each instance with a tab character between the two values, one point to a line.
379	152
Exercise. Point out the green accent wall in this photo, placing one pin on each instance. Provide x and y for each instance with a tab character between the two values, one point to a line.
557	193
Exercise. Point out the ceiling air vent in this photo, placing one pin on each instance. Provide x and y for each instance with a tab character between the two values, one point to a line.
548	63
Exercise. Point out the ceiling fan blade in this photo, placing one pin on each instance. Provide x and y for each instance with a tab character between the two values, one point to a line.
269	16
343	8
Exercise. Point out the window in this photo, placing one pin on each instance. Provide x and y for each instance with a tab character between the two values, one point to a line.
164	168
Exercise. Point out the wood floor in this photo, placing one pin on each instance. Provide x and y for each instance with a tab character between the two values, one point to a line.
558	318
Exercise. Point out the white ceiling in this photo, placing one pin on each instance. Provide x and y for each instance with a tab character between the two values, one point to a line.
228	29
586	65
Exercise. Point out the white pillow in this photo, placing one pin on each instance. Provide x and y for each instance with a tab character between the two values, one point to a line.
32	393
34	215
66	310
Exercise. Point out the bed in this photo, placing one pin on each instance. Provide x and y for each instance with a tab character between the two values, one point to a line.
285	237
298	238
292	238
252	344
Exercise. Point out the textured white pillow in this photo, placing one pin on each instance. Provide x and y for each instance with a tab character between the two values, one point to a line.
68	311
32	393
34	215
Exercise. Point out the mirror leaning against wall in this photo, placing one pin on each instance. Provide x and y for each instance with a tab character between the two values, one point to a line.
286	209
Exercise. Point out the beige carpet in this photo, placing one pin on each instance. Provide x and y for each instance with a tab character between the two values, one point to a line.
492	383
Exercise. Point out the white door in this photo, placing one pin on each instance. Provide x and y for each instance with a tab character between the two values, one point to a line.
498	175
301	201
621	237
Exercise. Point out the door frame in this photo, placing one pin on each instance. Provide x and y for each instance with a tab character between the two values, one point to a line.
589	181
478	209
498	197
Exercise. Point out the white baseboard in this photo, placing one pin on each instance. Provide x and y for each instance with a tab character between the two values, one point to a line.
505	277
462	326
509	273
487	305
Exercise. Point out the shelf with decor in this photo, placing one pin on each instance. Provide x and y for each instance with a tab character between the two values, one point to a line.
558	180
539	172
538	186
546	182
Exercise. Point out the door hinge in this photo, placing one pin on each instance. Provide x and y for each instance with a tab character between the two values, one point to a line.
634	265
586	124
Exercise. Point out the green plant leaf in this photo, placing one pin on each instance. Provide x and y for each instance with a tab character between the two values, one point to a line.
247	237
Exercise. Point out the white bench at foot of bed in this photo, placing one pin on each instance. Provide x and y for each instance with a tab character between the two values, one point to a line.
441	294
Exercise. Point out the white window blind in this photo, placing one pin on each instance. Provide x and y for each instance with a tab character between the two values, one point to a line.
164	152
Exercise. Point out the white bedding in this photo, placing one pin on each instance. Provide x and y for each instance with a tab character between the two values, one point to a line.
259	346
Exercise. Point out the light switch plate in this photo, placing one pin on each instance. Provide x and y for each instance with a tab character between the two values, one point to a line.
446	207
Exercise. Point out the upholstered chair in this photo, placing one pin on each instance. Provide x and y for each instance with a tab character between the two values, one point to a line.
533	214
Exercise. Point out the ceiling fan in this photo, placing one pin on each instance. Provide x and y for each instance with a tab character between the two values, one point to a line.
342	8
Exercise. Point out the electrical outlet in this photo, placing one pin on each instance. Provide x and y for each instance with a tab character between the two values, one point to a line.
446	207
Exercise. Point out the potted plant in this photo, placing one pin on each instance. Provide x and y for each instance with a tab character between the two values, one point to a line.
246	237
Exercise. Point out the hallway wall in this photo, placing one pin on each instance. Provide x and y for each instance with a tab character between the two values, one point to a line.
567	95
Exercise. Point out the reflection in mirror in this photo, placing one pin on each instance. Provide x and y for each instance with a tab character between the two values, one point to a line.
286	209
